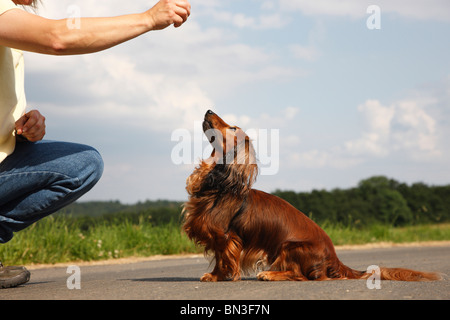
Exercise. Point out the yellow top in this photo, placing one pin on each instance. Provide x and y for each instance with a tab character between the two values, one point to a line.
12	91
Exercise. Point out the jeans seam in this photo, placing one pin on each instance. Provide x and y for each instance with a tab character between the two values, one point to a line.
57	178
42	172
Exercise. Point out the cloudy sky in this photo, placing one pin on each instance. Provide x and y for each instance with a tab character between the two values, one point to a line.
328	98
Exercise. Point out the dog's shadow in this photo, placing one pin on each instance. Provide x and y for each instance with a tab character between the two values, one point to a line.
179	279
164	279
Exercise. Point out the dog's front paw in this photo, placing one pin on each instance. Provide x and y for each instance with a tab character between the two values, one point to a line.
264	276
209	277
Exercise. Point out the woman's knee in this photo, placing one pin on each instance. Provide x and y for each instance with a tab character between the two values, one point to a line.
92	166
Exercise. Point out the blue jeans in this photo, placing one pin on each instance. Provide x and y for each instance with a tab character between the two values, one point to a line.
42	177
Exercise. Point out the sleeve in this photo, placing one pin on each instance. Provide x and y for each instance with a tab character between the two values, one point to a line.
6	5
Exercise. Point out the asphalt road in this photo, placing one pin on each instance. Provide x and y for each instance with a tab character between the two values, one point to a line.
178	279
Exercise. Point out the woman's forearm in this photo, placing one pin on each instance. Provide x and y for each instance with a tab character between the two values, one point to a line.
29	32
89	35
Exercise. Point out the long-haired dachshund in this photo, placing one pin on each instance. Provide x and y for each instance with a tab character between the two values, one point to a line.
243	227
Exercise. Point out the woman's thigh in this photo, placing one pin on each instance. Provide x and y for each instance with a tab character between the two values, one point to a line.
41	178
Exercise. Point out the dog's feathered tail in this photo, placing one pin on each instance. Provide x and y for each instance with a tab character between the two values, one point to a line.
395	274
400	274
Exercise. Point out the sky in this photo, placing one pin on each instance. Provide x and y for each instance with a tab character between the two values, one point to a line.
331	92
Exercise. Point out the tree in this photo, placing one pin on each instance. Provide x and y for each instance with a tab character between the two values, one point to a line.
387	204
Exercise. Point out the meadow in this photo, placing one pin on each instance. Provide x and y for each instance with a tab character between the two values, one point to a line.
58	239
377	210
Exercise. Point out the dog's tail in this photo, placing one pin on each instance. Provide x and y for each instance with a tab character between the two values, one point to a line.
400	274
396	274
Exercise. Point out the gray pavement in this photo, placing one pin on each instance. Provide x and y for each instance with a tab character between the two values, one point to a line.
178	279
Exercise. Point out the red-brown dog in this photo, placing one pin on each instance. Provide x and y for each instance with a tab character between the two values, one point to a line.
243	226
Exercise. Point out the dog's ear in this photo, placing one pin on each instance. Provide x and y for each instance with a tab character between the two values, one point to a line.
233	170
236	174
245	158
216	180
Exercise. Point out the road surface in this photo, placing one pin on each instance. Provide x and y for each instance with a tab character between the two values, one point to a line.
178	279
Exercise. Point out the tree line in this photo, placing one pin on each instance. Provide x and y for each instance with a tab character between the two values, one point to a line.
374	200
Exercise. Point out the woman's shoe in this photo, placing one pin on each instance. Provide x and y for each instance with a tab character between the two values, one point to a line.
13	276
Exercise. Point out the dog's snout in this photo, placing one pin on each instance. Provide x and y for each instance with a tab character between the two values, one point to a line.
209	112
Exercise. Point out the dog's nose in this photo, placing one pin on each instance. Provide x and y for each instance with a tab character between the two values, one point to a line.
209	112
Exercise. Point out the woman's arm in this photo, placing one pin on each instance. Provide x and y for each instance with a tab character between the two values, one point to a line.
26	31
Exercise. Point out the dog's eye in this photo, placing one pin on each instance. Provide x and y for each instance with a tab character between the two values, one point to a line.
233	128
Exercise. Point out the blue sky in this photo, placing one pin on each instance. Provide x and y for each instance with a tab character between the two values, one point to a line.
347	102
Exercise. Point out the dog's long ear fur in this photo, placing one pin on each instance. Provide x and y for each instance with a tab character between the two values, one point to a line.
195	181
236	174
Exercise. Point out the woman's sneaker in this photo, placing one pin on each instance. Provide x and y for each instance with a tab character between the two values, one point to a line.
13	276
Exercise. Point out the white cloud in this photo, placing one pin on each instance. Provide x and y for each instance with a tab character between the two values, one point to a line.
377	121
268	16
314	159
420	10
405	130
262	22
146	80
265	121
290	112
352	8
308	53
415	130
404	126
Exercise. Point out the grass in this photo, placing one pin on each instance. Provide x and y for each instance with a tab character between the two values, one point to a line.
348	235
59	239
64	239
